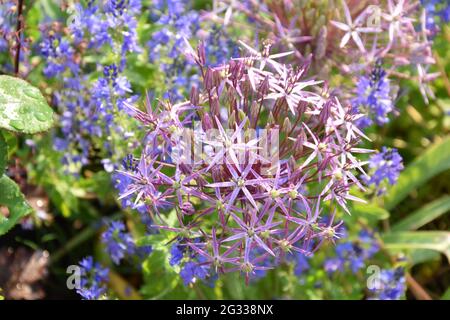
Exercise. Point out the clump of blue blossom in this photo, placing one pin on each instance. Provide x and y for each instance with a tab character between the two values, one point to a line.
437	13
384	166
391	285
91	110
176	21
7	24
94	279
118	242
353	254
373	98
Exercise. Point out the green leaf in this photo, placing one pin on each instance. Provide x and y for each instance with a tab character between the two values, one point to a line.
413	240
369	210
446	295
436	159
156	266
424	255
11	197
49	8
23	108
424	215
3	154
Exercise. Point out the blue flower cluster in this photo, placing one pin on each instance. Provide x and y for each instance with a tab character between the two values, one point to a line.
7	24
191	270
385	165
108	95
373	98
438	12
93	281
90	110
9	40
61	63
353	254
391	285
301	264
118	242
176	254
177	22
58	53
103	23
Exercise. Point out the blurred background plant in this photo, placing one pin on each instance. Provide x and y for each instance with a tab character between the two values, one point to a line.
89	57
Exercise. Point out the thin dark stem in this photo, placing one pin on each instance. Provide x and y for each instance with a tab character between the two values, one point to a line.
18	31
417	290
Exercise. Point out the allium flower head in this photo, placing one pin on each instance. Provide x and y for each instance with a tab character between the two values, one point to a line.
349	35
248	165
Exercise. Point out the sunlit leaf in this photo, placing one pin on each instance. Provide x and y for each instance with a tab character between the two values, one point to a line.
13	199
23	108
446	295
413	240
424	215
435	160
369	210
3	154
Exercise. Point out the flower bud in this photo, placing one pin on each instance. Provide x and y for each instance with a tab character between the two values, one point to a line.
325	112
287	126
208	82
232	120
321	44
187	208
207	123
194	97
201	54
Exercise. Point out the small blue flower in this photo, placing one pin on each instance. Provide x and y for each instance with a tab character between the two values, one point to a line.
353	254
331	265
385	165
373	98
301	264
93	279
192	271
118	242
438	13
391	285
176	254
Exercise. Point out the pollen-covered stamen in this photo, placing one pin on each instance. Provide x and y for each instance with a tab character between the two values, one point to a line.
285	245
247	267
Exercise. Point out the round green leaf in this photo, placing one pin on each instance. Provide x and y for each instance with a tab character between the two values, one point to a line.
23	108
